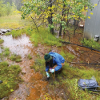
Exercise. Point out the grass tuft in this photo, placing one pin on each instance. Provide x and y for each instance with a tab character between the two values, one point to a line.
10	78
44	37
6	52
29	56
15	57
1	41
91	43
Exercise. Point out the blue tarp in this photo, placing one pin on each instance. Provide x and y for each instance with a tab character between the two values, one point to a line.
87	83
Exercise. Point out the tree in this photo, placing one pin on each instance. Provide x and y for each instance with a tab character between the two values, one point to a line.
39	10
50	17
56	14
18	3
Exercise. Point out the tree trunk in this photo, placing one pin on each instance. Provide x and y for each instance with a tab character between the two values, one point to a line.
76	24
60	31
63	10
50	18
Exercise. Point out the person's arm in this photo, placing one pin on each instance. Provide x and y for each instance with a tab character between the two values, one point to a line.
59	65
47	68
47	73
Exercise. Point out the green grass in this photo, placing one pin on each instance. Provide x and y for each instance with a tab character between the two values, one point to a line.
29	56
44	37
39	65
16	58
16	33
91	43
10	78
71	76
5	52
13	21
8	74
1	41
67	55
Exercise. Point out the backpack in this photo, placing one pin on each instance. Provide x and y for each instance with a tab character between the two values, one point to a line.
88	84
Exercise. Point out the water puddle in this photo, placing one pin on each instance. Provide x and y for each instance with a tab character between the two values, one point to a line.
19	46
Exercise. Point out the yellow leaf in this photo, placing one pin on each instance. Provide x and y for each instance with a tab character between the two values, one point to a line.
46	16
95	4
5	82
53	6
11	90
91	13
86	8
82	9
8	85
49	7
53	14
89	17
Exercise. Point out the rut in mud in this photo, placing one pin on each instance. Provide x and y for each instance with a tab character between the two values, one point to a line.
33	87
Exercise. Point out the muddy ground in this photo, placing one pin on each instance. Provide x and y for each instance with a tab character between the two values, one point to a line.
34	87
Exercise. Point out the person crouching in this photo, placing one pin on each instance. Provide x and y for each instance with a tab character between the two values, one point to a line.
53	63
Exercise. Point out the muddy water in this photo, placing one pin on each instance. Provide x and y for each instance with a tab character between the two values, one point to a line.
18	46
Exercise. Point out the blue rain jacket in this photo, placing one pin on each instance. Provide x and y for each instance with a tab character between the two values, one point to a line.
58	59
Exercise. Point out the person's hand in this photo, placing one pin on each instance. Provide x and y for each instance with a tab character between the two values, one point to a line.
48	75
52	70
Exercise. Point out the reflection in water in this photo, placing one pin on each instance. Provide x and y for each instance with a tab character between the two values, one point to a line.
18	46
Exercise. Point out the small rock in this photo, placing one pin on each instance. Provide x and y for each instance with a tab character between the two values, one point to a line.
3	30
23	72
8	30
81	26
1	33
62	93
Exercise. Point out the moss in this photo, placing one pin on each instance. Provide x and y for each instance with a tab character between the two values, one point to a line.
10	78
29	56
6	52
1	41
91	43
15	57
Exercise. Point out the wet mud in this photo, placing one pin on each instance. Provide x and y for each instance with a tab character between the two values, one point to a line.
34	87
83	56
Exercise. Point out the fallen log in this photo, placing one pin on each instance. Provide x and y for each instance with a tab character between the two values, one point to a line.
64	42
83	63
